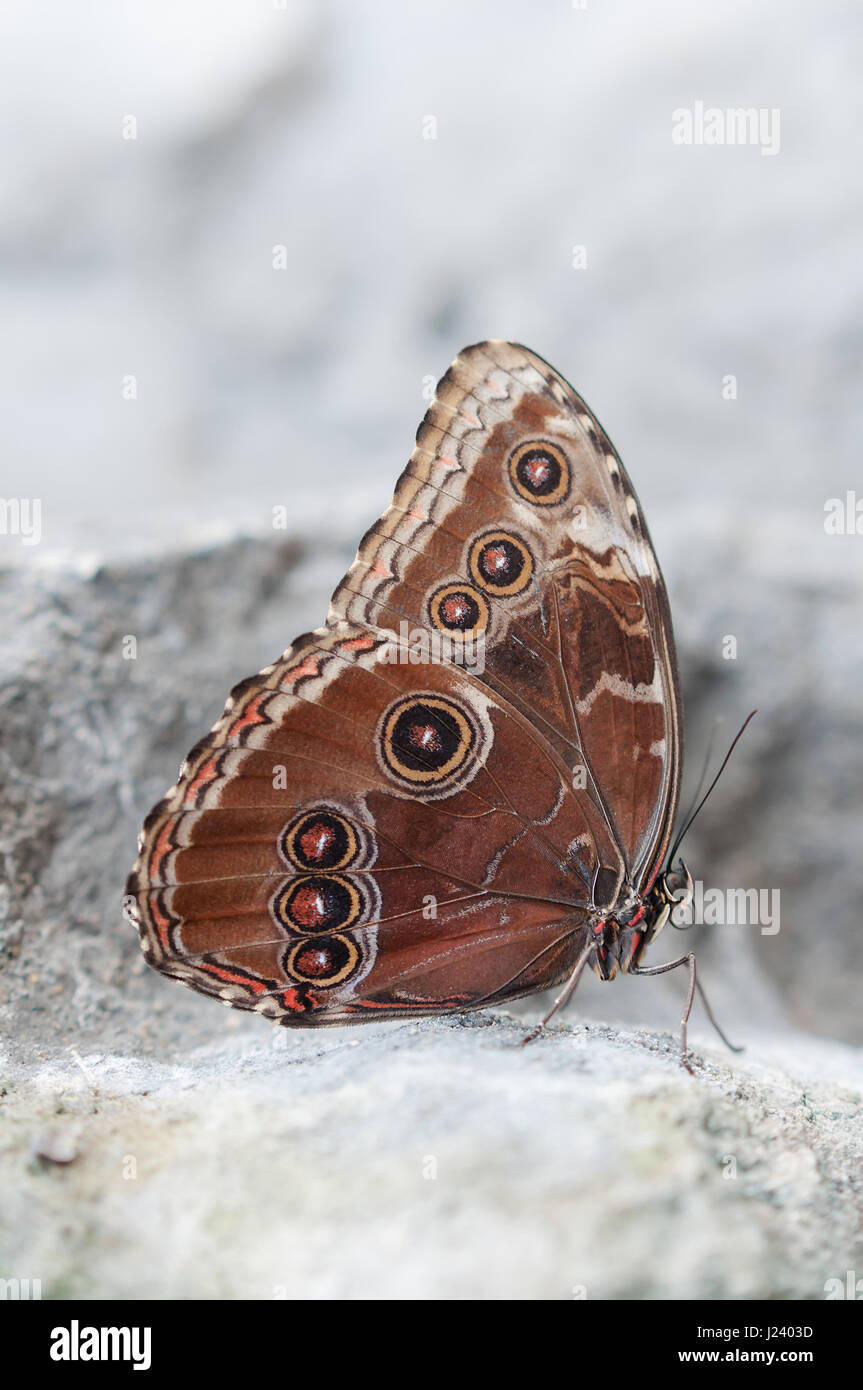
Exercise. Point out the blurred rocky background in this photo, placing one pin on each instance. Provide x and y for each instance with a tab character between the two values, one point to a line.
238	243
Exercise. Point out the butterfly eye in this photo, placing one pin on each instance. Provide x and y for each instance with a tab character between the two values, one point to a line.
319	840
323	960
459	610
540	473
500	563
318	903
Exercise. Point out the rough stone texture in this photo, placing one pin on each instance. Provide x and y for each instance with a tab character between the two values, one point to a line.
274	1161
437	1160
90	739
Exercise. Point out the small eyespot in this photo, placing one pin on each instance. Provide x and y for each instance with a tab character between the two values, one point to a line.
316	903
501	564
319	839
322	960
539	472
458	609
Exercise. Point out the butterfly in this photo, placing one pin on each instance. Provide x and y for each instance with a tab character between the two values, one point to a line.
461	789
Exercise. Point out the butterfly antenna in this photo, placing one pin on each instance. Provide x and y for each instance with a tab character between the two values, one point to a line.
704	766
688	822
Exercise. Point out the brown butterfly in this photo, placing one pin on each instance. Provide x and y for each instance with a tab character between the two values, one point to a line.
461	789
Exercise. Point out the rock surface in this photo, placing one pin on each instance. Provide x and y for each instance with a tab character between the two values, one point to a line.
437	1160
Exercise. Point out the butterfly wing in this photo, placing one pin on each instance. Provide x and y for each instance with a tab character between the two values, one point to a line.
376	830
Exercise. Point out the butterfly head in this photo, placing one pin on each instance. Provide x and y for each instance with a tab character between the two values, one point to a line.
672	892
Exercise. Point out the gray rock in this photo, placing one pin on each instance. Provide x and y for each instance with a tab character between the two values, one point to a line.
440	1160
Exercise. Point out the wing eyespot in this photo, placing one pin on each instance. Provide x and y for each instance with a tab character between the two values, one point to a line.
539	472
459	610
500	563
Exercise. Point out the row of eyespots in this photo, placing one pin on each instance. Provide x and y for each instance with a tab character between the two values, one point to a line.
320	902
499	562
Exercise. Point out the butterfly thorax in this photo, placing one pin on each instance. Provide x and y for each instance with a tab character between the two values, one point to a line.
622	937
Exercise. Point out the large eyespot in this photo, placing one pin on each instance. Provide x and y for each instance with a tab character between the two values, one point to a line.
458	610
322	960
539	472
318	903
319	839
425	740
500	563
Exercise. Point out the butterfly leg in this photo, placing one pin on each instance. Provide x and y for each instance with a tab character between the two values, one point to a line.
565	994
688	959
694	984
